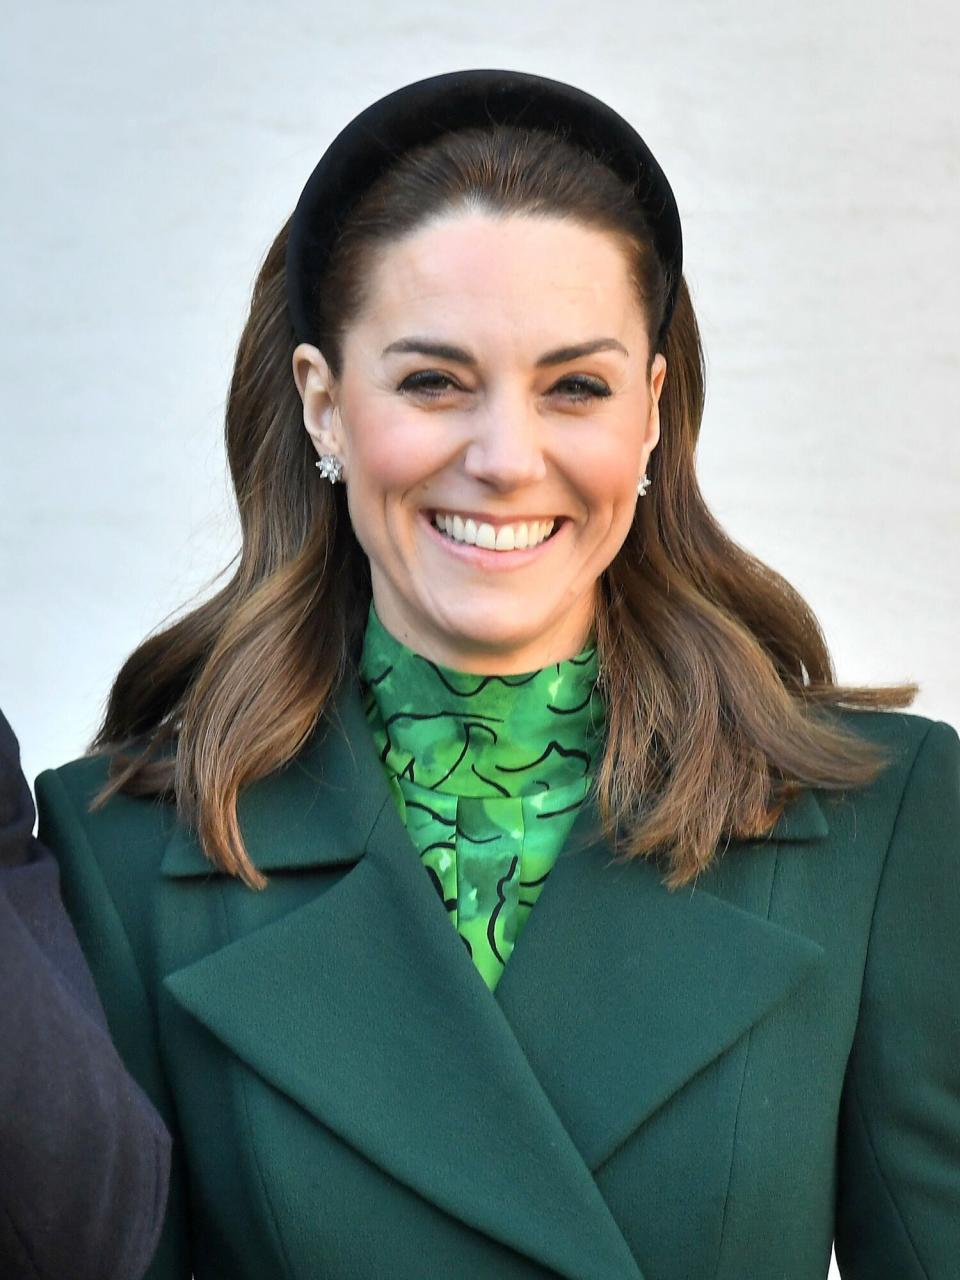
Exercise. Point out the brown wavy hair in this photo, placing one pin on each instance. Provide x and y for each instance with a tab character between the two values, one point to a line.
716	676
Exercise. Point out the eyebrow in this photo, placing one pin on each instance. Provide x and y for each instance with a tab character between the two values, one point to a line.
444	351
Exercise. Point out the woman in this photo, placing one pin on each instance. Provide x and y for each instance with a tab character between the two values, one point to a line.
492	879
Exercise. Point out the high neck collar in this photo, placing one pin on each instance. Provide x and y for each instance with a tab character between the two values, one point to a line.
481	735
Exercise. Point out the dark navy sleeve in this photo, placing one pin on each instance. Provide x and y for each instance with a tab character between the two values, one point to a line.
84	1158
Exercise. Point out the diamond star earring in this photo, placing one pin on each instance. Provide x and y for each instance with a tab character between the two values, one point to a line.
642	487
330	466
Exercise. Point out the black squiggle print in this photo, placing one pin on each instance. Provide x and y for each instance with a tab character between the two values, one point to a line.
501	902
553	746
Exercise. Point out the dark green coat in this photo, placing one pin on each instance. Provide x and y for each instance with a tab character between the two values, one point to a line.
664	1086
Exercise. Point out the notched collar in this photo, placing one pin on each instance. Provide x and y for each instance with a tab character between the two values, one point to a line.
316	811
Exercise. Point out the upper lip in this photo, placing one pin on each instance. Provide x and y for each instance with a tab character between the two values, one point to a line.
482	517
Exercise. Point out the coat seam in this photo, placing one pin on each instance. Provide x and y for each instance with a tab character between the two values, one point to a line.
850	1068
24	1243
883	1181
743	1081
258	1170
886	859
849	1065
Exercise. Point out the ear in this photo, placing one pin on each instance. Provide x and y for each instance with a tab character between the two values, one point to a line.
317	390
658	372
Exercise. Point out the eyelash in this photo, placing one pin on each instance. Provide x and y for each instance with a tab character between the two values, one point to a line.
591	388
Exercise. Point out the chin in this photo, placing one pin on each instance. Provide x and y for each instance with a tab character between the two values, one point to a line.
488	634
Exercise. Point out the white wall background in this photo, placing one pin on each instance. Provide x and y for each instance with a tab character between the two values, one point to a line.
151	152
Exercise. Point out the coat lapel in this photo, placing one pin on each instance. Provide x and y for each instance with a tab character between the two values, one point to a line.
363	1006
664	982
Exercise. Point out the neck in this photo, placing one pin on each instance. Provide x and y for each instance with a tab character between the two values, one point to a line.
488	656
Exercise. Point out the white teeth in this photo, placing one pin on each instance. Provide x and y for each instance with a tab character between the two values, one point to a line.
508	537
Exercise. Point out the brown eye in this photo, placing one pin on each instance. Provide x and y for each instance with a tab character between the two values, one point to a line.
425	383
586	388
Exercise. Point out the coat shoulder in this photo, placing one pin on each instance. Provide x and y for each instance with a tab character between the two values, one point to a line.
140	825
115	850
901	730
900	736
913	797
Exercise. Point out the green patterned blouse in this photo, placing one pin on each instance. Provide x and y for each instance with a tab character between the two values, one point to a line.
487	772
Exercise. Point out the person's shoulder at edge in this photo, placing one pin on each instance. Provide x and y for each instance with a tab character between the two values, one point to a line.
75	1121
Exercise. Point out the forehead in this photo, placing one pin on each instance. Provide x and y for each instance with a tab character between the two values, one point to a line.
513	271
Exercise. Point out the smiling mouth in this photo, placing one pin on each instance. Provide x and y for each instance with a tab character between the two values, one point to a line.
516	536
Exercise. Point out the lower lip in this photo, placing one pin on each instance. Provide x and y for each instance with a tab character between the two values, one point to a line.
493	561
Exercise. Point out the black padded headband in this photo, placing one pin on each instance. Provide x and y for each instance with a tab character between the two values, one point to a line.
418	113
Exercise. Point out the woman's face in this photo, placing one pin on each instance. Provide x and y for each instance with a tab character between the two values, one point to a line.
497	380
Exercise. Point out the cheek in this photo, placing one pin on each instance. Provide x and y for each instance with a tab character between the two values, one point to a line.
390	465
390	458
605	478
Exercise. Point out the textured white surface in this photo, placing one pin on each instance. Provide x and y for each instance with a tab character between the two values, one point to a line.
150	153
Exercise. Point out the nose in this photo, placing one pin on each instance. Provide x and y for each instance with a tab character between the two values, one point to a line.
506	451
